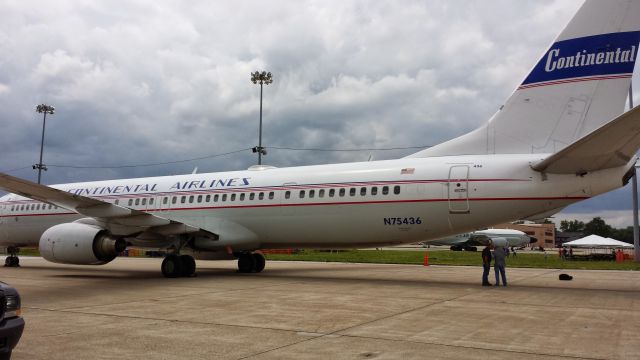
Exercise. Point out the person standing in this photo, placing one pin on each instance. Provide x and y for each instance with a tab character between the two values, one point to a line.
486	265
499	255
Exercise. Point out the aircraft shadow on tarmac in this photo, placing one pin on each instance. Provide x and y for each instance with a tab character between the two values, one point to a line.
307	275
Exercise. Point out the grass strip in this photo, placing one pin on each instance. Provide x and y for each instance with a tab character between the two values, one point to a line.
524	260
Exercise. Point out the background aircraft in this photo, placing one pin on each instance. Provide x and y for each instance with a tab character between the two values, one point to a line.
470	241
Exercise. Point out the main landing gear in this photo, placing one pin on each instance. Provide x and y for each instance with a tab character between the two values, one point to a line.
12	260
251	262
175	265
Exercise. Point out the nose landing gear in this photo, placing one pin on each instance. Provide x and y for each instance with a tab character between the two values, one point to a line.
12	260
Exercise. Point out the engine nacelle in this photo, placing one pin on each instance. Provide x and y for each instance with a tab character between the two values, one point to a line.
79	244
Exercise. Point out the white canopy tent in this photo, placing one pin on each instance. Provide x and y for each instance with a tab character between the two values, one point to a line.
595	241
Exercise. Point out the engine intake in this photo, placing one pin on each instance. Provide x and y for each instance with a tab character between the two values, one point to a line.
79	244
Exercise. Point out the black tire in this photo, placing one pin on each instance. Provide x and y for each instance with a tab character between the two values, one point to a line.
246	263
188	265
172	266
12	261
5	355
259	261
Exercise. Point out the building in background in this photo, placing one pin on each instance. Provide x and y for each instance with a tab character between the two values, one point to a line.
566	236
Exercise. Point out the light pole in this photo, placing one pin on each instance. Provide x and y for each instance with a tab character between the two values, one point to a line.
43	109
262	78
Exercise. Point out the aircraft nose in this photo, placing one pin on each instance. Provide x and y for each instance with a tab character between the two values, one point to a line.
532	240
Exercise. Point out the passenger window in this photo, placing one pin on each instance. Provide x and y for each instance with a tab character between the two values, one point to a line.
352	192
374	190
321	193
396	189
332	192
363	191
165	200
301	194
199	199
137	202
207	198
261	196
385	190
191	199
38	207
342	192
271	195
183	199
224	197
174	200
117	202
252	196
312	193
144	201
287	194
233	197
241	196
130	202
215	198
33	207
151	201
13	206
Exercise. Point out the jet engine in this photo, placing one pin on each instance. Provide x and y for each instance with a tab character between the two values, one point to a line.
79	244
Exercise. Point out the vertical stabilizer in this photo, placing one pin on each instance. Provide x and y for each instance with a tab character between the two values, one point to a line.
579	84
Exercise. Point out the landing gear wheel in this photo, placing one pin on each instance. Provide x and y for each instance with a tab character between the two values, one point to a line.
12	260
259	261
246	263
188	265
172	266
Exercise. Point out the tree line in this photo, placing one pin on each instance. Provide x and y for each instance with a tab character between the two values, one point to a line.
598	226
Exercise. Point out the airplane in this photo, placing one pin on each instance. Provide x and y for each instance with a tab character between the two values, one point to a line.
560	138
470	241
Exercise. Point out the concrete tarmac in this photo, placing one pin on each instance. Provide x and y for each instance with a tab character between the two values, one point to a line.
296	310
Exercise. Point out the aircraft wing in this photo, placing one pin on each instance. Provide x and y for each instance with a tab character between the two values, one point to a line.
113	216
612	145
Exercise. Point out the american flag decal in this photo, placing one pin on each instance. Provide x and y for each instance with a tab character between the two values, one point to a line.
407	171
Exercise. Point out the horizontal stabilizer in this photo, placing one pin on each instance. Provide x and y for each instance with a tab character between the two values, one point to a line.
612	145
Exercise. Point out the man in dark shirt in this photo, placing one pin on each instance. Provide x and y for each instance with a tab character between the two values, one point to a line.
486	265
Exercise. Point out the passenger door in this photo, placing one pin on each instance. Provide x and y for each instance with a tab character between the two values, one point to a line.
459	189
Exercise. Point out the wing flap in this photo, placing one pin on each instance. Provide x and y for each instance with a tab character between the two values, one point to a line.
612	145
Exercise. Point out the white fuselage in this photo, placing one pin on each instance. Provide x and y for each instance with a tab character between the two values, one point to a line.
328	206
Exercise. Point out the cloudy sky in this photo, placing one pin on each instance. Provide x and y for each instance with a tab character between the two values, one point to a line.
142	82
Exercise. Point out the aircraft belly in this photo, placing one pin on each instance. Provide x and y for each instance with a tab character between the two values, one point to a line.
26	230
